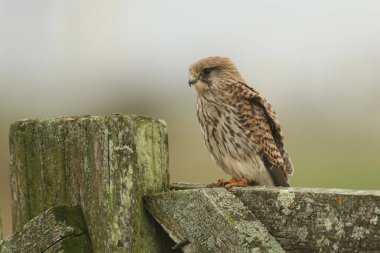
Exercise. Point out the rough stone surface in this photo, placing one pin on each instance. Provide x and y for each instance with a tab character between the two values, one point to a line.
104	163
213	220
59	229
314	220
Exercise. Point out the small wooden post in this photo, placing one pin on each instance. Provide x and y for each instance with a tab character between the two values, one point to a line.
106	164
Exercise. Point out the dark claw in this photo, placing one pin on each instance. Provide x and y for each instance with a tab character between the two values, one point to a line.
222	182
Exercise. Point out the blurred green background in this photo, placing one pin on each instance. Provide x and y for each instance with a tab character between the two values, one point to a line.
317	62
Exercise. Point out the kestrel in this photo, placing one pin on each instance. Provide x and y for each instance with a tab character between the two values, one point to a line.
239	126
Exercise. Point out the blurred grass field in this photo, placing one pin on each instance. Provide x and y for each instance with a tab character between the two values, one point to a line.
325	156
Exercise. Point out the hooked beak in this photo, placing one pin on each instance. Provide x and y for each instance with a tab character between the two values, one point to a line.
192	80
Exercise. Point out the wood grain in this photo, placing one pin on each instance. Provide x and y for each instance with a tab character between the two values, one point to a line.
59	229
104	163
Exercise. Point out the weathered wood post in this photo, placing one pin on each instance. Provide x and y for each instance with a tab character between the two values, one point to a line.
213	220
105	164
269	219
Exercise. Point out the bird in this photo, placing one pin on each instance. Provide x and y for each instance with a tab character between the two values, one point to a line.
240	128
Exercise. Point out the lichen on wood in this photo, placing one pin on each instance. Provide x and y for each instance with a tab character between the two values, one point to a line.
314	220
213	220
317	220
59	229
104	163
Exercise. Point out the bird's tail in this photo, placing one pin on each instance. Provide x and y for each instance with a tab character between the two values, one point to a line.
289	169
278	176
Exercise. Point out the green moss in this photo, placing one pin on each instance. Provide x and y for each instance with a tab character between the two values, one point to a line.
77	244
105	163
70	219
151	158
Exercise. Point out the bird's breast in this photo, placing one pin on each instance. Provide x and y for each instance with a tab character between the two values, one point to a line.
223	133
228	139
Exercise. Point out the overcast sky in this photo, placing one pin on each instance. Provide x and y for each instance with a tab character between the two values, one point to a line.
60	50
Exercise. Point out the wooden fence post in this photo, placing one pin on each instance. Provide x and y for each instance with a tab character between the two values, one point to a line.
106	164
298	219
212	220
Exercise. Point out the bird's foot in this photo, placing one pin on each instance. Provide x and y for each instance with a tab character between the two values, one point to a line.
233	182
236	183
220	183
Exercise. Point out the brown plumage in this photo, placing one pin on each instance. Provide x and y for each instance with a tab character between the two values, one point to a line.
240	128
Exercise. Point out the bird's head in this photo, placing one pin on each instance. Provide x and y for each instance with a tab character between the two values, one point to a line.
213	73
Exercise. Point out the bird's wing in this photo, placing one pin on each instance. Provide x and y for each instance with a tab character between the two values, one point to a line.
268	131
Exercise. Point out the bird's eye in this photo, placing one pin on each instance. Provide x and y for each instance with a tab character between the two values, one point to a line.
208	71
